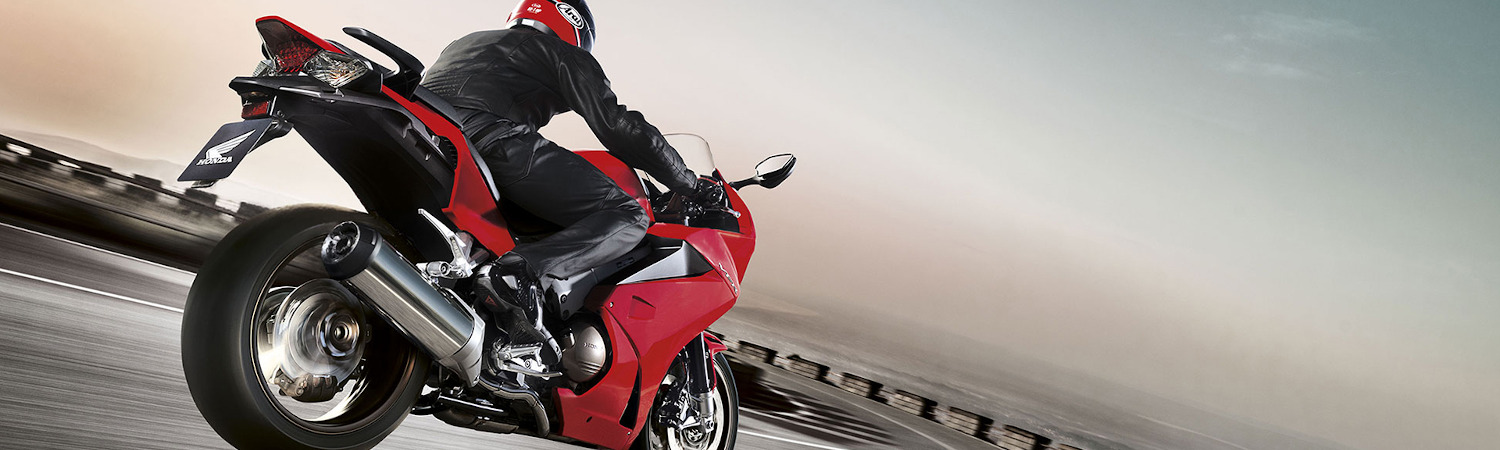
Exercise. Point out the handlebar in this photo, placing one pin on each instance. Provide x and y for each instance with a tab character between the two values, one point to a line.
691	209
674	208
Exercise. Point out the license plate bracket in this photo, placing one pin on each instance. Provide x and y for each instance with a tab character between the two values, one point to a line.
224	151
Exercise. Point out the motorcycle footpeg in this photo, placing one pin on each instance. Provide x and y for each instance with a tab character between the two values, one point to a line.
509	352
523	359
513	367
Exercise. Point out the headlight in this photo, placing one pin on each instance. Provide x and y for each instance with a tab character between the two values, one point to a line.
336	69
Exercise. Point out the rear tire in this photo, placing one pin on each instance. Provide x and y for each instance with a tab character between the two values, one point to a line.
219	342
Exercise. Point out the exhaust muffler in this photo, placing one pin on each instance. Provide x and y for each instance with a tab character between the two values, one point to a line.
440	324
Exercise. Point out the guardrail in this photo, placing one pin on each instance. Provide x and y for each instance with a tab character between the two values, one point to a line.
1008	437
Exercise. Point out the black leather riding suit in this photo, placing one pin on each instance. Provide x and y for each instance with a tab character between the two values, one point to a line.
509	83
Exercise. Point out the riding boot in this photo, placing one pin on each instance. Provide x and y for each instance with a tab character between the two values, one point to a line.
514	295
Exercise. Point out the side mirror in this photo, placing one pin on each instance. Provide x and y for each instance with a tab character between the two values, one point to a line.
770	172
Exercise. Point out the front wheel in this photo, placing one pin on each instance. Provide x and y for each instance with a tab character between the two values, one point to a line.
277	355
720	414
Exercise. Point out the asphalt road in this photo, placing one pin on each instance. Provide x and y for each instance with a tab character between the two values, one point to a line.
90	359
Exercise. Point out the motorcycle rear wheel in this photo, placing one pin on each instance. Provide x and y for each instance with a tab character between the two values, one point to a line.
223	342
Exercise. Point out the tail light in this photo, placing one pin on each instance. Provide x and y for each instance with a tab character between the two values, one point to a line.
338	70
288	47
292	50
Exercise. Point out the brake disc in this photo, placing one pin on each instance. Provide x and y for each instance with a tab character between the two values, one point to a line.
318	336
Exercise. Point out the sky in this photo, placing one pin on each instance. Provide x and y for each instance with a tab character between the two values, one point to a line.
1283	212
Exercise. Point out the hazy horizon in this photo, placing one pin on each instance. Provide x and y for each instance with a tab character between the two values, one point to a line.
1284	211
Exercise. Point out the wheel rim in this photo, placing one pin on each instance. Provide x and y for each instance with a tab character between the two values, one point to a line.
690	438
318	327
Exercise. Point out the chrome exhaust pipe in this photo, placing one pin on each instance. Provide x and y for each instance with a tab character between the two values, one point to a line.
432	317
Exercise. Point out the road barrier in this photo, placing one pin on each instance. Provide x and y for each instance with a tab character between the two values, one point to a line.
147	182
1012	438
860	386
912	403
141	193
88	177
34	157
166	223
978	426
967	422
807	368
195	197
37	163
57	189
758	353
37	153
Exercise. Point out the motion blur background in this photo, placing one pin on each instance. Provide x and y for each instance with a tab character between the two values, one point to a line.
1281	213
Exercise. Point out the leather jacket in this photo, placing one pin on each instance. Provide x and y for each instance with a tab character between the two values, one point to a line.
527	77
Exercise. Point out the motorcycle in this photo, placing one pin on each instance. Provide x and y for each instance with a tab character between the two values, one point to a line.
323	328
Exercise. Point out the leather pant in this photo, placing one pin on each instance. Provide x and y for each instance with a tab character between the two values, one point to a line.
599	221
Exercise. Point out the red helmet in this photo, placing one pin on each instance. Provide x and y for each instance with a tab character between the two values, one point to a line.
569	20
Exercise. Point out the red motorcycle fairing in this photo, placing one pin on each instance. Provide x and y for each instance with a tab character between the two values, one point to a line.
473	206
742	244
649	323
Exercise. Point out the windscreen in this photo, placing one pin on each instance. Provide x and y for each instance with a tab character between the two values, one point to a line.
694	152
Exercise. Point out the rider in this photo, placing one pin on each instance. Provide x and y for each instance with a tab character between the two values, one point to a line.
509	83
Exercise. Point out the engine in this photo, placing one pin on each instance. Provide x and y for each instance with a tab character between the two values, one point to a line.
585	351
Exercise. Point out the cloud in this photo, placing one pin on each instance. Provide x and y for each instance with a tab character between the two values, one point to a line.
1267	69
1267	39
1286	29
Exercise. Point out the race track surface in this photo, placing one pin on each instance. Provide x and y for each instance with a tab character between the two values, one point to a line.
89	359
